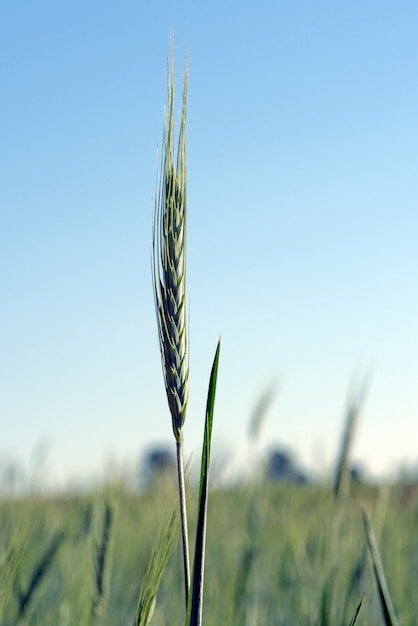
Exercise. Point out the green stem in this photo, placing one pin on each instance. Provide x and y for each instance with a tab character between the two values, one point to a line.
183	518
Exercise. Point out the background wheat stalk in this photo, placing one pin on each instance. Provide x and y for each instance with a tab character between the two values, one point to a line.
169	282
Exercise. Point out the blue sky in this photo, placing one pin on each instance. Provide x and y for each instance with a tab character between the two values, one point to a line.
303	225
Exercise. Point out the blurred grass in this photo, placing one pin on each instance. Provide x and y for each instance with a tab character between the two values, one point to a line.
267	558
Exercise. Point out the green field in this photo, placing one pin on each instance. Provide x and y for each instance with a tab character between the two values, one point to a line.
276	554
272	553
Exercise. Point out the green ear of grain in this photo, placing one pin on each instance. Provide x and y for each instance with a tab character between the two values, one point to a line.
195	603
169	255
8	576
260	411
9	564
102	562
354	407
159	558
386	603
356	612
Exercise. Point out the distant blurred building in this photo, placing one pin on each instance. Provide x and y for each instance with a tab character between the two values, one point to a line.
157	462
282	467
357	474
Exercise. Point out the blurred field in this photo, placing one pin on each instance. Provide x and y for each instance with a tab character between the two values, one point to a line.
276	554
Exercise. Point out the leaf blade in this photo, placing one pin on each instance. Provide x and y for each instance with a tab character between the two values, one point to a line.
195	604
386	603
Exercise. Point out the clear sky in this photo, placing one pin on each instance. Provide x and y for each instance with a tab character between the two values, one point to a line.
303	225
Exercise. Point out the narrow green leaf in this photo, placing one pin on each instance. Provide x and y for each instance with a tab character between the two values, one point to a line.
388	611
356	612
194	609
40	571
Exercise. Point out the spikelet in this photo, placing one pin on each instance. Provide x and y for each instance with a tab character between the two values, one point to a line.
169	261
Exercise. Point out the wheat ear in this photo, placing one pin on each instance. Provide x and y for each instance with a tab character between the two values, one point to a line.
169	282
169	262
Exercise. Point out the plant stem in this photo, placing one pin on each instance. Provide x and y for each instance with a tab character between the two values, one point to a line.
183	517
